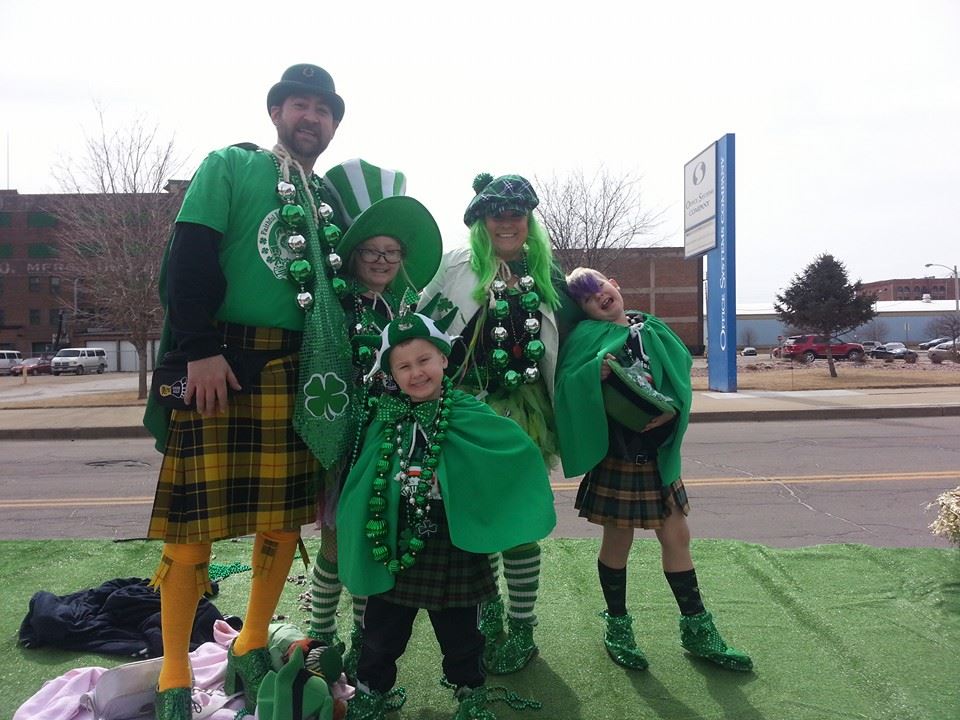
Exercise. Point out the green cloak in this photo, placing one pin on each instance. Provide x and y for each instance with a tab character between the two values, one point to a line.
495	490
578	402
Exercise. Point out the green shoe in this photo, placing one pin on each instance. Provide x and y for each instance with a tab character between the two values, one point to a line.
620	644
173	704
329	639
491	620
513	653
369	704
699	636
245	673
351	659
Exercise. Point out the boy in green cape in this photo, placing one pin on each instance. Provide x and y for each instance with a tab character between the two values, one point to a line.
431	495
622	405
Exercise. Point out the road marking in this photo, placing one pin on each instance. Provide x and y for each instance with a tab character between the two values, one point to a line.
952	475
803	480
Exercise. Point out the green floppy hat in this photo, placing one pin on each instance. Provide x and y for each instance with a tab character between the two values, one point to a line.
411	224
632	401
357	184
294	693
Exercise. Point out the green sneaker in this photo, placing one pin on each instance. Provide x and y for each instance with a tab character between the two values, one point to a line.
700	637
620	643
491	620
513	653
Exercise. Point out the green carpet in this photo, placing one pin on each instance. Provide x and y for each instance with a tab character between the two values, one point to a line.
835	631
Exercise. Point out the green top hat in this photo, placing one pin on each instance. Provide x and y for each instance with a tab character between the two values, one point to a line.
306	79
411	224
357	184
631	400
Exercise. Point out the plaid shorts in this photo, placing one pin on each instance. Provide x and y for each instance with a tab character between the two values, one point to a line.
626	493
444	576
242	472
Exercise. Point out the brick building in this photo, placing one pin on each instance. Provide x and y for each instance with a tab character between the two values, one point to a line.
913	288
39	294
660	281
36	301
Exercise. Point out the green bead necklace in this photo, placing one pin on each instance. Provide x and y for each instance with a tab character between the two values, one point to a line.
533	348
416	482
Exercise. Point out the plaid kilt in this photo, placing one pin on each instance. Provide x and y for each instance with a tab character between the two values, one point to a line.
243	472
444	575
621	493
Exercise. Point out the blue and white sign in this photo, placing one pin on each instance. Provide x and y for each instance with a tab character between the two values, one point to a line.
700	203
721	276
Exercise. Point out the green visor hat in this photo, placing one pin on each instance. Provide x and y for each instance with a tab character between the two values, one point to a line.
631	400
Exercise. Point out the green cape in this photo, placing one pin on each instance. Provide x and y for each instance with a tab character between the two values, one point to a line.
495	489
578	401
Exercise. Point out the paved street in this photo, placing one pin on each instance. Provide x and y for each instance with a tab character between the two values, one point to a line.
782	484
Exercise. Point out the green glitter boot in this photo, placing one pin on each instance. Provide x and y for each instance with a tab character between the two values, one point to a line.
329	639
173	704
491	620
351	659
515	652
699	636
620	643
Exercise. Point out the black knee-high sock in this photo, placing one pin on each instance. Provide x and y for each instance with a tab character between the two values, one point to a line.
614	586
686	591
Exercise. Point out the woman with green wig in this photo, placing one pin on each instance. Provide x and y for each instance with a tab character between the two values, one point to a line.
506	297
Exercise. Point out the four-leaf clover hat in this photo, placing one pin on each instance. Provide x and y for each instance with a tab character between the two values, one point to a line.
305	79
410	326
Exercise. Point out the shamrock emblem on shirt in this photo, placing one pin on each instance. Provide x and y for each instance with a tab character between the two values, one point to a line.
327	396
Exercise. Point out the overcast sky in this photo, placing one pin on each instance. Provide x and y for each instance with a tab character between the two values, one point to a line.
846	113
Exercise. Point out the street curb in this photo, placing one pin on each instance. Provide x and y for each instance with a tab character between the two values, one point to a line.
834	413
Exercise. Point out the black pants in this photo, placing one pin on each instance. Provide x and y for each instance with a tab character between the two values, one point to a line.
386	632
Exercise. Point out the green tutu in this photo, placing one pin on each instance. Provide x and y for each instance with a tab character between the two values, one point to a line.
530	407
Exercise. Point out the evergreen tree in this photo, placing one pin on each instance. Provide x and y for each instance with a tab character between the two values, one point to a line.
821	300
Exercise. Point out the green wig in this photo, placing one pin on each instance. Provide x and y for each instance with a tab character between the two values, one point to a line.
540	262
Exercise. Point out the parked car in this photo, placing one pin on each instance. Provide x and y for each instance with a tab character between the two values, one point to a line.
949	350
34	366
894	351
8	358
748	351
869	345
931	343
80	360
806	348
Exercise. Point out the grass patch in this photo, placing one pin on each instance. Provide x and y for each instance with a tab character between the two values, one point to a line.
834	630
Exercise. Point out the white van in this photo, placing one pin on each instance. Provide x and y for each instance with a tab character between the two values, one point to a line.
79	360
8	358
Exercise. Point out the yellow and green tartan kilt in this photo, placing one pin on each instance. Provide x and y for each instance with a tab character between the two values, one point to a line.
242	472
623	493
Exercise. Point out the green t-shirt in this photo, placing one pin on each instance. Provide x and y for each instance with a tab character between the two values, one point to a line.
235	192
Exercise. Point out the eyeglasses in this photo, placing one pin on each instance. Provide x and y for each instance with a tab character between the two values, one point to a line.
371	256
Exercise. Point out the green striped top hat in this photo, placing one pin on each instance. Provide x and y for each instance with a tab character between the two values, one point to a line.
357	184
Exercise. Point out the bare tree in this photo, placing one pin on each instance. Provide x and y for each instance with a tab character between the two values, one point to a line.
117	217
591	220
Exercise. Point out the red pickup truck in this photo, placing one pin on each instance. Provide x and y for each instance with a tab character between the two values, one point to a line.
807	348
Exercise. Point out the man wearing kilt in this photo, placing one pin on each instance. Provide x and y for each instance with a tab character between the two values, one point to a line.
431	495
622	404
248	280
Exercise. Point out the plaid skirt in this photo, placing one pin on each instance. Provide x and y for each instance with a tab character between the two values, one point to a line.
242	472
624	494
444	575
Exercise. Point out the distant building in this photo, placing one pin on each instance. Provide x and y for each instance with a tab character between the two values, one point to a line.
912	289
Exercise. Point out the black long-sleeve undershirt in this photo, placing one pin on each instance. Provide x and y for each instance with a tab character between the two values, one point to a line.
196	287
